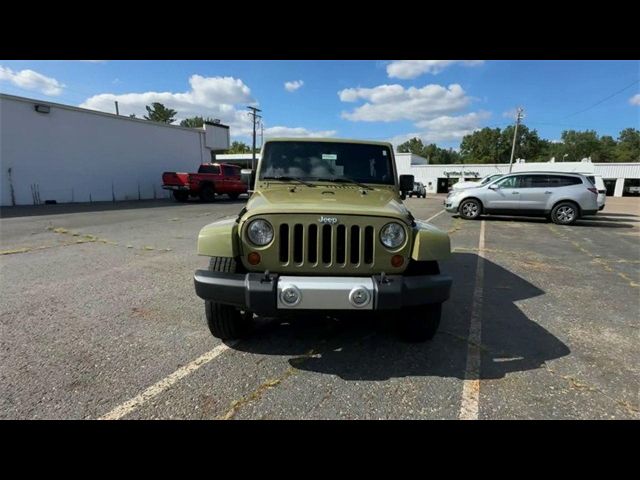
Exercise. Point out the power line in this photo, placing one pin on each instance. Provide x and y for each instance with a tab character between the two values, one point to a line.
603	100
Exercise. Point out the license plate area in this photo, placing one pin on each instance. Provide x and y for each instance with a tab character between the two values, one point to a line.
325	293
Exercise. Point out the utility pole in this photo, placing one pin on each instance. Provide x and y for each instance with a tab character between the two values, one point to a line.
515	134
253	149
261	133
117	110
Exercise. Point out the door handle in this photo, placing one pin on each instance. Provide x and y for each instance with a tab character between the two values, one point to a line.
515	193
548	193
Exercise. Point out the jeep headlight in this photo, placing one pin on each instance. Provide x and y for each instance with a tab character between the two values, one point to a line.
392	235
260	232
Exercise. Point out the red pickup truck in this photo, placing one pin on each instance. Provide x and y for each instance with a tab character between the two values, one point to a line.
212	179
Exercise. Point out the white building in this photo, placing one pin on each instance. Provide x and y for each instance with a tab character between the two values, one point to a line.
50	151
618	177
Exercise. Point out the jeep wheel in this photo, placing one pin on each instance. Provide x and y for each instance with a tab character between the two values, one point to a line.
207	194
565	213
470	209
180	196
420	323
226	321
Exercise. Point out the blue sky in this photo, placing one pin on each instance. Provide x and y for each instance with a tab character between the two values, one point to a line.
437	100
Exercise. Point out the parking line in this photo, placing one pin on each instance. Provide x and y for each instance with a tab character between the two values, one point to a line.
159	387
434	216
471	385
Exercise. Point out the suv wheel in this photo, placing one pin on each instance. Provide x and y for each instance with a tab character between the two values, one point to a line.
233	196
470	209
207	194
420	323
565	213
226	321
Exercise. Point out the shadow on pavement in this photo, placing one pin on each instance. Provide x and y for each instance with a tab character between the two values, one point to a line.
590	221
366	349
64	208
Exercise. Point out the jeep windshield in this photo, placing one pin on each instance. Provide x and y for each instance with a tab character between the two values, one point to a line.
327	162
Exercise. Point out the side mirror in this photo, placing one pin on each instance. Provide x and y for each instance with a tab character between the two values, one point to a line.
406	183
494	187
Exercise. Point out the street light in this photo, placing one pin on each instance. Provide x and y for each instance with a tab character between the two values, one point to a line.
565	156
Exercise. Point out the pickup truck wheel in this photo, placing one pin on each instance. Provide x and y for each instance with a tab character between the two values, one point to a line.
470	209
226	321
565	213
180	196
207	194
234	196
420	323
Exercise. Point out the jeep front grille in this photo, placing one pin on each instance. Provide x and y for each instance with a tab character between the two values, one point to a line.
312	245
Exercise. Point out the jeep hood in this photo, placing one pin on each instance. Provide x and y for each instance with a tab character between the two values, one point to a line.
326	200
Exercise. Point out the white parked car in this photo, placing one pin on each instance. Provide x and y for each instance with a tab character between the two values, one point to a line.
602	190
476	183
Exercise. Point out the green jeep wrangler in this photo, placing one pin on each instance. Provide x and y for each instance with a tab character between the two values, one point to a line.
324	230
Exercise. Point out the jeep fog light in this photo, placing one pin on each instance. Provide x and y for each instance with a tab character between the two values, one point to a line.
260	232
392	235
359	296
290	296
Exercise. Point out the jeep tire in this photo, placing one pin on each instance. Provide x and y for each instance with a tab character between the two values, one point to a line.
420	323
226	321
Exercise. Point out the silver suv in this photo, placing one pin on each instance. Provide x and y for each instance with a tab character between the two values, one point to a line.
562	197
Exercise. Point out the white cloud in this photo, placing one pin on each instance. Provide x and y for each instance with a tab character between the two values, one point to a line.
216	97
225	98
635	100
389	103
407	69
293	86
280	131
447	128
511	114
444	128
30	80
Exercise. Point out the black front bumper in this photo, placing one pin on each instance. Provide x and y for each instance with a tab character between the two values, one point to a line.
257	293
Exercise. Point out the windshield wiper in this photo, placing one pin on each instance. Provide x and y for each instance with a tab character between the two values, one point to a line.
288	179
344	180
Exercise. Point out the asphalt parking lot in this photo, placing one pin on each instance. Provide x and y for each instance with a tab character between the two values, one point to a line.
99	319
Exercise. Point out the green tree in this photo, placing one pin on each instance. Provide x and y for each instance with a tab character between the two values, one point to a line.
195	122
413	145
628	147
239	147
482	146
607	151
157	112
528	145
579	145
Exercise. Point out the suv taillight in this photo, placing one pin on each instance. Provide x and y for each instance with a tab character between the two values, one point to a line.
593	190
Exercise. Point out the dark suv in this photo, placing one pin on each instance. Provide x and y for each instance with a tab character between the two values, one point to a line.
419	190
